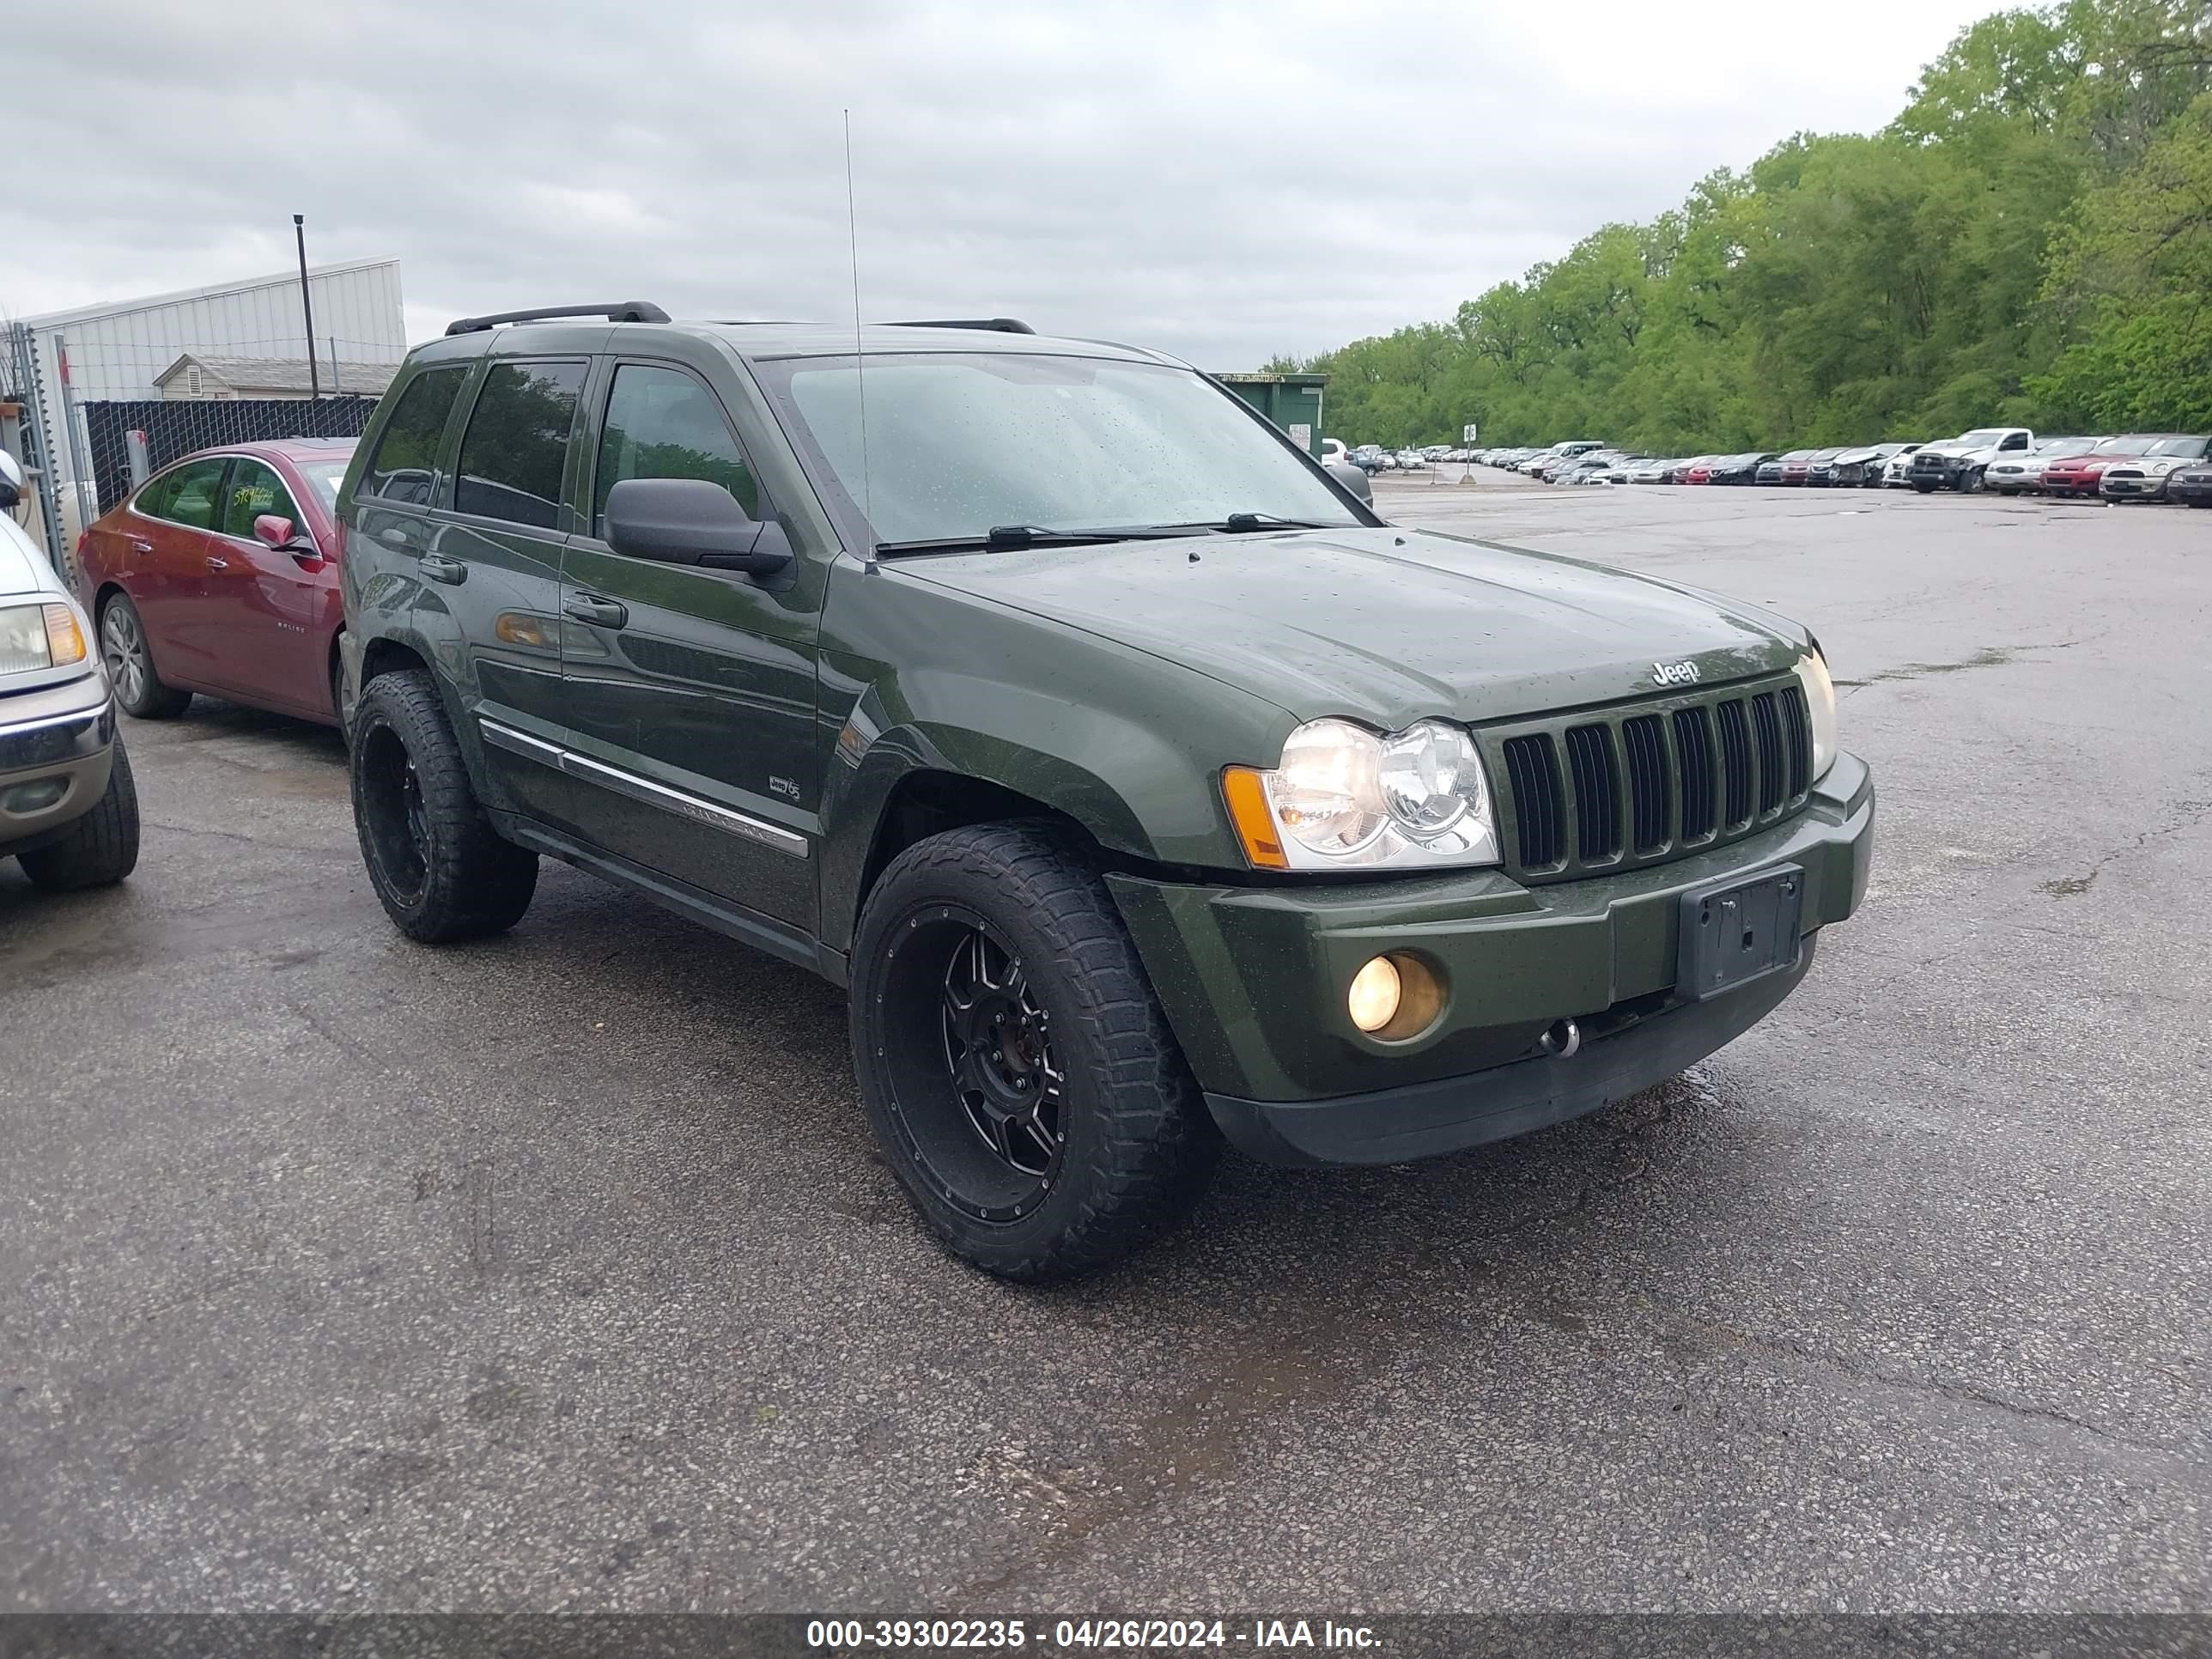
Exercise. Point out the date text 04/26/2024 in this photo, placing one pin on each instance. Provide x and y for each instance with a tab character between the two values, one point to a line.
862	1635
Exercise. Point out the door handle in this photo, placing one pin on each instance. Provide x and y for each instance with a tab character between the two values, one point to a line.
591	608
440	568
138	546
214	563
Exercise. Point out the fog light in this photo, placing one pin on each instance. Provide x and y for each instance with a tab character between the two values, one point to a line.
28	798
1375	989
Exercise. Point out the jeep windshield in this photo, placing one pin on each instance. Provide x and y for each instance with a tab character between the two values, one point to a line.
958	446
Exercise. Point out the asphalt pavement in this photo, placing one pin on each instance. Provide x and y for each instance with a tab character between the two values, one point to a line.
558	1272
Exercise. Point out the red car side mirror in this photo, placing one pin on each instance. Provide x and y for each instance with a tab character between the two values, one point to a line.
273	529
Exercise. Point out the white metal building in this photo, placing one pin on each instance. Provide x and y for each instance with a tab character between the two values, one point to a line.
116	350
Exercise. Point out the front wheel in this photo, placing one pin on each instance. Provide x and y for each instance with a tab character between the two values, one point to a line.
439	869
1968	481
101	847
1924	486
1014	1062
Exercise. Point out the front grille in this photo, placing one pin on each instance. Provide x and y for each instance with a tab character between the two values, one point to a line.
1597	790
1647	782
1650	782
1535	778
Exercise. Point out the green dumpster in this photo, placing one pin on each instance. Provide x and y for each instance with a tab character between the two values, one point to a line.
1292	401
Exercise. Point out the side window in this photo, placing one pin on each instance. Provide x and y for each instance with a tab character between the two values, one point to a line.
255	489
154	500
2018	440
404	466
188	497
516	441
663	423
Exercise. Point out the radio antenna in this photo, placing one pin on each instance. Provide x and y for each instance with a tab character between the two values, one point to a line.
860	361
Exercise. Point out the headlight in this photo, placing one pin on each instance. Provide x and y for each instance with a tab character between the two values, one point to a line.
1345	799
34	636
1820	705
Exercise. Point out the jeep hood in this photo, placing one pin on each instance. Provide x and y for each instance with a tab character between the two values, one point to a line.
1383	625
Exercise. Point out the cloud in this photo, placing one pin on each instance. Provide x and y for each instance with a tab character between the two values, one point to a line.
1223	180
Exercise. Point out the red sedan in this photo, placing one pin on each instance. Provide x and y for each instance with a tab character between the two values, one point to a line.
220	574
2080	474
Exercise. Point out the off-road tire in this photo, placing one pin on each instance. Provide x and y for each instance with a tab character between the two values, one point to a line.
1923	486
472	881
1139	1145
143	694
101	847
1968	481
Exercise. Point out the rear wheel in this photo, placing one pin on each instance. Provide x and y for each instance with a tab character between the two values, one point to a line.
1014	1064
442	872
128	658
102	846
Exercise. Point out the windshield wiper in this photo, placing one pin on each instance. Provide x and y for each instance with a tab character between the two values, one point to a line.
1009	536
1243	524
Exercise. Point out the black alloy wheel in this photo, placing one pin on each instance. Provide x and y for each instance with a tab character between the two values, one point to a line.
441	870
1013	1060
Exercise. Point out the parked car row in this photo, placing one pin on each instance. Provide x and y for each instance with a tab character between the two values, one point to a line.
1374	457
2151	466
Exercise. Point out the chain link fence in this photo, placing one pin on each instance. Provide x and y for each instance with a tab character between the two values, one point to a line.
177	427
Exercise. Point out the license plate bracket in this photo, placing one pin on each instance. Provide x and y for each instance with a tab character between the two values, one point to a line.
1739	930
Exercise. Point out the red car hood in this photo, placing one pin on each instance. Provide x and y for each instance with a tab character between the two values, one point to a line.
2087	463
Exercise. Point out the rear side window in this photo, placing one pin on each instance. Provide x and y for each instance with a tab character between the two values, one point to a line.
516	443
404	466
186	496
662	423
256	489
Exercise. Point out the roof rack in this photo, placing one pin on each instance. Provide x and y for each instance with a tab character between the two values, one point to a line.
621	311
990	325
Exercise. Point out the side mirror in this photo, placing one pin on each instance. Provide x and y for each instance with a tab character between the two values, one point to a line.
692	521
11	481
273	528
1353	478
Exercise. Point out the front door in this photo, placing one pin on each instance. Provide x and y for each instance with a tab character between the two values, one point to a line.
267	612
690	693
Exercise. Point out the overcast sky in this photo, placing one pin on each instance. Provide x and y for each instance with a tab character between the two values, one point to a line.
1221	180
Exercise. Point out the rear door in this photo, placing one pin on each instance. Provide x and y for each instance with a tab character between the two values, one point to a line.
267	611
168	541
690	692
495	567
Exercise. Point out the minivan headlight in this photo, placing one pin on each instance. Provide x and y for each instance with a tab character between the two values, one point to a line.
1820	705
1345	798
33	636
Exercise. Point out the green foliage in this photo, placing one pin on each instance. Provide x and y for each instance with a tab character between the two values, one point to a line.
2031	241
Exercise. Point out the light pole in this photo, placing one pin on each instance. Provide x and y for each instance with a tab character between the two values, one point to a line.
307	307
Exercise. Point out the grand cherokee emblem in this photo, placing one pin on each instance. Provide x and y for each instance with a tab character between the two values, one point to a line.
1675	673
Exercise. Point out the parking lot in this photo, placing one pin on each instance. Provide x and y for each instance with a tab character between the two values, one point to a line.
558	1272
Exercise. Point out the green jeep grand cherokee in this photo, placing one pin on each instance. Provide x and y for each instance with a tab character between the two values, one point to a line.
1141	785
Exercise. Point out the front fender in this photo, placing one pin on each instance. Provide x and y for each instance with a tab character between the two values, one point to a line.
1143	789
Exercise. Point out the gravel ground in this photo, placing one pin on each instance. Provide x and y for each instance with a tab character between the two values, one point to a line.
557	1272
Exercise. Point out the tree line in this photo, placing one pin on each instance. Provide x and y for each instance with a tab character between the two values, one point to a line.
2028	242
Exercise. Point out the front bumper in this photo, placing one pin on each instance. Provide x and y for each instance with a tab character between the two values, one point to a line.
55	748
2132	487
1450	1115
1252	980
